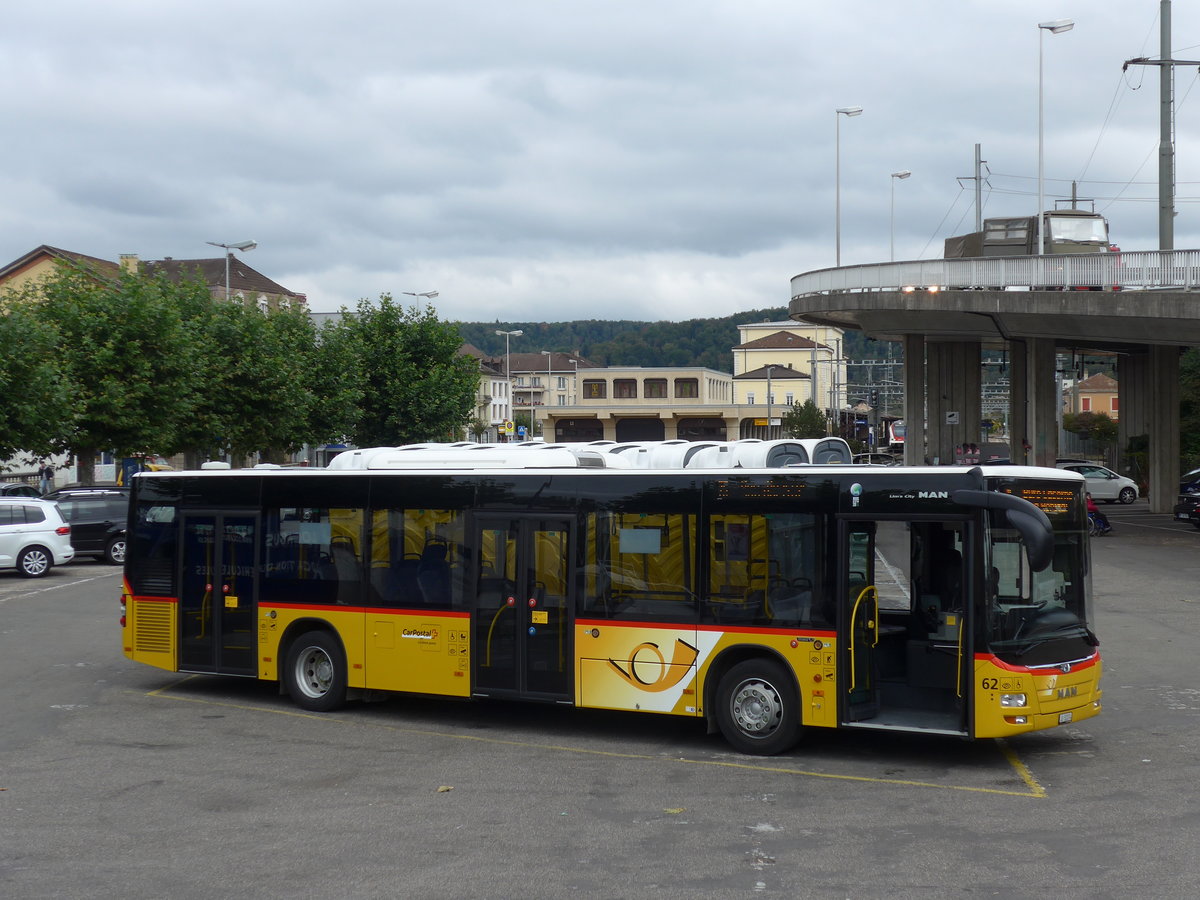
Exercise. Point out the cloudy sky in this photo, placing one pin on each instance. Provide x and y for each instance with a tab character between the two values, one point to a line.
571	159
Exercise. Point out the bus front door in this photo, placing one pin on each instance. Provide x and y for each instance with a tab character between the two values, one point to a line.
903	626
521	617
218	587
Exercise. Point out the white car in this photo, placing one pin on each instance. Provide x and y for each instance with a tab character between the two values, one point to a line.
33	536
1104	484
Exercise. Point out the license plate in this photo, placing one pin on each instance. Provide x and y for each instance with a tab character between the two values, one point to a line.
1182	516
1064	718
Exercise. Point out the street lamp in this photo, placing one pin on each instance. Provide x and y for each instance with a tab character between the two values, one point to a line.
901	175
507	335
428	295
240	245
1058	26
837	146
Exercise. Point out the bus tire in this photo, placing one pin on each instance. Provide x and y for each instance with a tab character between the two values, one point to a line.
758	707
314	672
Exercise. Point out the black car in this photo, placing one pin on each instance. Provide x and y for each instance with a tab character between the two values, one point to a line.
97	515
1187	507
18	489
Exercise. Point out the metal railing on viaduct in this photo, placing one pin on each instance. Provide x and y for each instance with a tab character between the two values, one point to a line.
1177	270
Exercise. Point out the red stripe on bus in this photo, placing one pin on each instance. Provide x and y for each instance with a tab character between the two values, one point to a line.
1009	667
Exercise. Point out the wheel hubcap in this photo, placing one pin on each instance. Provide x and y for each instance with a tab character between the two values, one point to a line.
314	671
756	708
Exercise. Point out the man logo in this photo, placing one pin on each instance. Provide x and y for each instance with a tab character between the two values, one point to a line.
647	669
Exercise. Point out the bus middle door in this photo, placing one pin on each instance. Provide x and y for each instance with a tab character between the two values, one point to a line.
522	611
218	593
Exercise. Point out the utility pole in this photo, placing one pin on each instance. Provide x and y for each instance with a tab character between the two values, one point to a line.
1166	125
978	179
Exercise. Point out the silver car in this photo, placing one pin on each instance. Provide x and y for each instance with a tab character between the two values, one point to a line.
33	536
1104	484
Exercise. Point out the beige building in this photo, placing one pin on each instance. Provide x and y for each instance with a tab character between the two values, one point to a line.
1096	393
573	400
221	275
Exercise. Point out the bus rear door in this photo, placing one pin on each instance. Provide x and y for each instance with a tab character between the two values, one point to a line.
522	610
218	593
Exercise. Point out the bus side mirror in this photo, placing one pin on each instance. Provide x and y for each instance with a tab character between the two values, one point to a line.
1029	521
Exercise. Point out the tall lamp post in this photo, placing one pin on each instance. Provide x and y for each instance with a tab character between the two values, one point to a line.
507	335
428	295
901	175
240	245
1058	26
837	152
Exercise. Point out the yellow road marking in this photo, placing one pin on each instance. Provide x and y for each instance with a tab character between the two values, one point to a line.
1036	791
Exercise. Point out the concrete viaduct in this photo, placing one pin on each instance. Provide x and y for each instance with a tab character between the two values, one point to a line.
1141	306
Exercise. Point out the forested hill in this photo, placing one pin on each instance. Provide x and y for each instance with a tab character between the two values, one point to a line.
703	342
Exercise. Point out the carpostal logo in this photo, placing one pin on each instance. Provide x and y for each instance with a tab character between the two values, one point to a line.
422	634
647	669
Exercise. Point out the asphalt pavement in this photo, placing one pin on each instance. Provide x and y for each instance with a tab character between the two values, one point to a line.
121	780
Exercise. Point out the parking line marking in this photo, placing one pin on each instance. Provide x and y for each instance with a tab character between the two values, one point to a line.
1035	792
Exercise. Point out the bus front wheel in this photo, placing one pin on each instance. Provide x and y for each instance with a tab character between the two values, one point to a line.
315	672
758	709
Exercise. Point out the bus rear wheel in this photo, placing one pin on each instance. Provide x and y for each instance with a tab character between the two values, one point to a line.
315	672
758	709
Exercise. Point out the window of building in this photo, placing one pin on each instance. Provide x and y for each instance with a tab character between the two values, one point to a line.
1085	404
1115	401
789	399
595	389
687	388
749	398
625	388
656	388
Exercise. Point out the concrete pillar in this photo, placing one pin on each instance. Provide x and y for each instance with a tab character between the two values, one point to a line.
1164	427
914	399
953	401
1018	401
1043	402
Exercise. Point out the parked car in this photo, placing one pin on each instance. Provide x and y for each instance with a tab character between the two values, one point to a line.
1104	484
33	536
97	514
875	459
1187	507
18	489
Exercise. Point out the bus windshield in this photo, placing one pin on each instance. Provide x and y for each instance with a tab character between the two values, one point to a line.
1038	616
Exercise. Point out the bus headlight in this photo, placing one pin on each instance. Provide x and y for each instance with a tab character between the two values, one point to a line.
1013	700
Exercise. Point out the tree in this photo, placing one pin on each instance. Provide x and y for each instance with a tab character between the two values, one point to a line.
416	386
35	408
1091	426
805	420
126	356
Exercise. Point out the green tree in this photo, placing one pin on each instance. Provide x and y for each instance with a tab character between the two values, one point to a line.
127	357
804	420
416	386
35	409
1092	426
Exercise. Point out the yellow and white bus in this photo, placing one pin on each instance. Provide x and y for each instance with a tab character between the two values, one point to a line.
952	601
